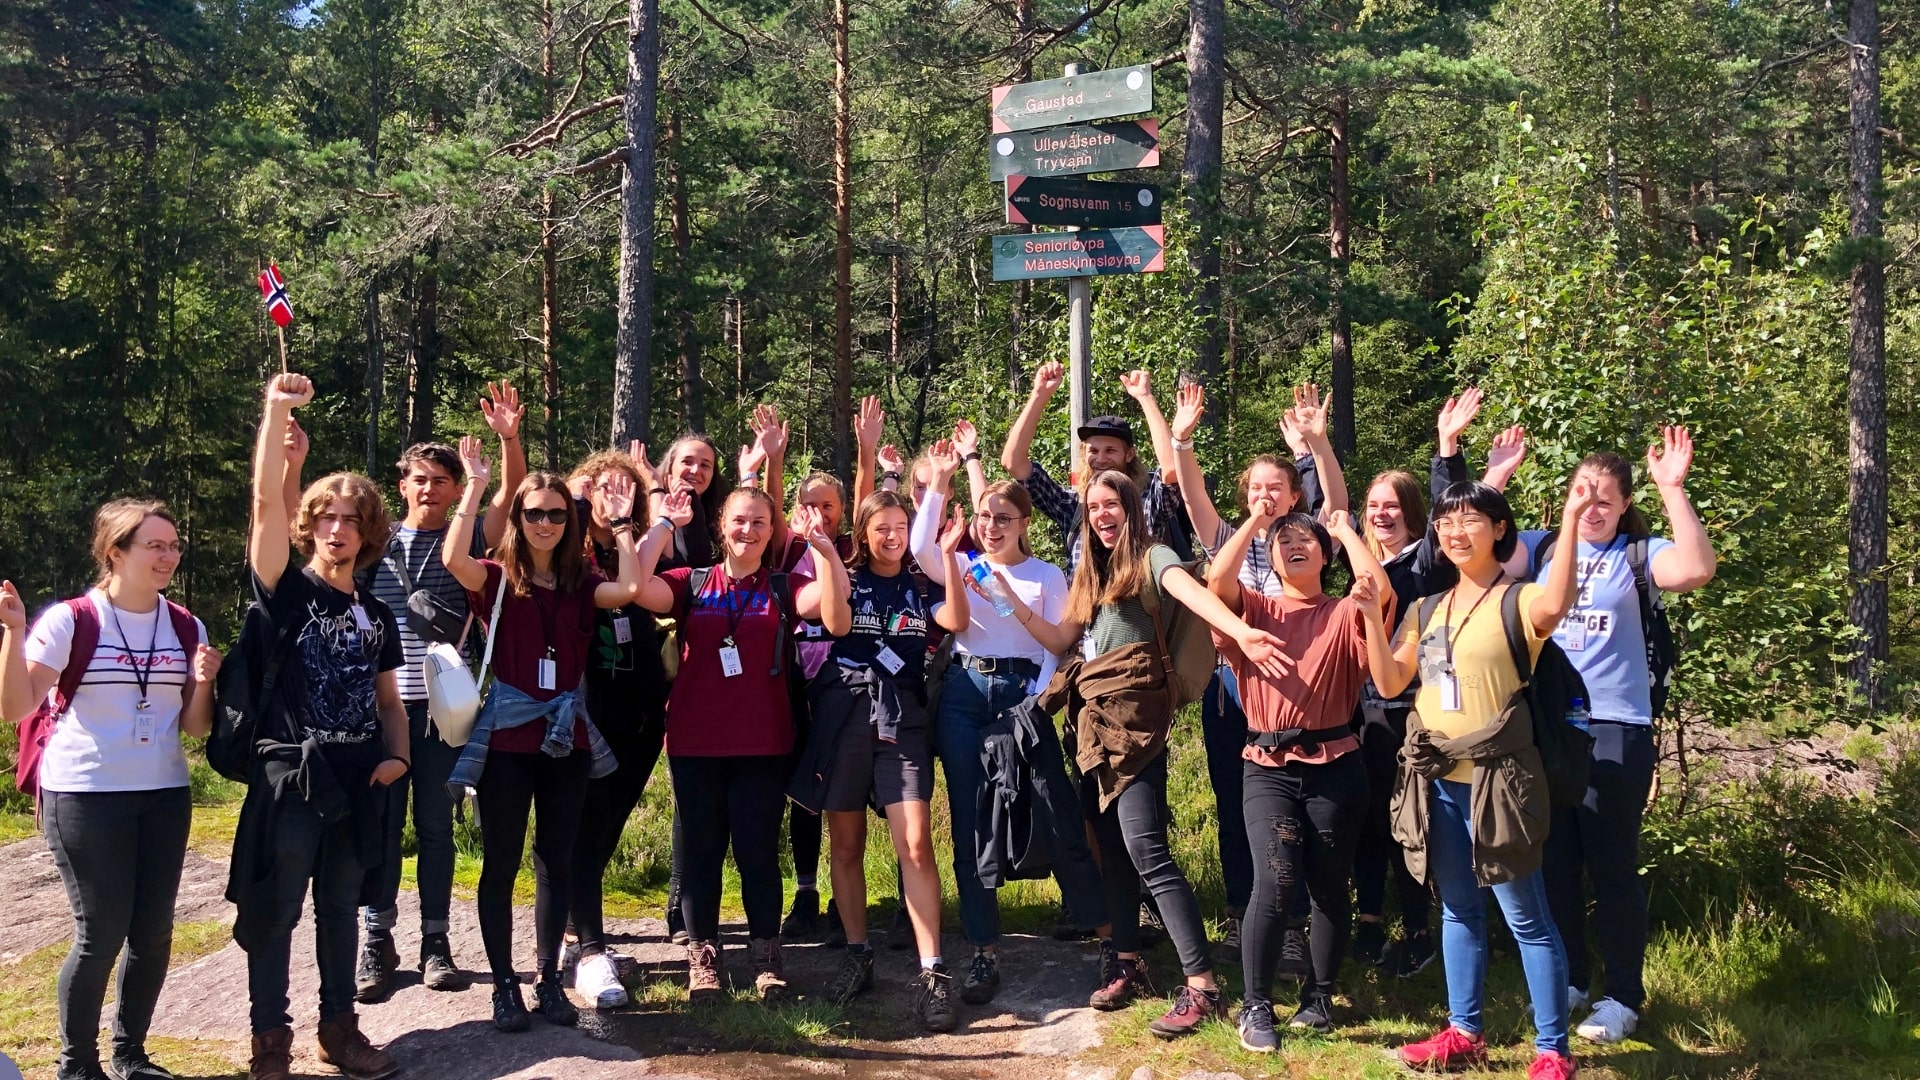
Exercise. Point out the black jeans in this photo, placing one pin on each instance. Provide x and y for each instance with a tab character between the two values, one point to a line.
1379	854
119	854
1304	820
433	762
1132	832
555	789
735	800
610	801
1602	836
1223	727
306	850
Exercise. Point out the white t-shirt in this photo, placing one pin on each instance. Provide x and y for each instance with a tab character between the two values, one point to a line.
1038	584
98	744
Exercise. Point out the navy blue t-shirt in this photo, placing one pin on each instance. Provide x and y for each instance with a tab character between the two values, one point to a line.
888	611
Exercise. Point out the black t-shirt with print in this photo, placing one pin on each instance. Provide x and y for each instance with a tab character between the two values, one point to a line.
334	662
626	684
889	611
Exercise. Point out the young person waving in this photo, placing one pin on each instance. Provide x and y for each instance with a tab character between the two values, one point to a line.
1472	808
332	739
533	745
130	672
729	715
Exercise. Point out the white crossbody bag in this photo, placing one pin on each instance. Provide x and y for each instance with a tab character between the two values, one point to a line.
453	694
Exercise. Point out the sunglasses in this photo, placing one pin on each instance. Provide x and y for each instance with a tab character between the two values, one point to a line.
533	515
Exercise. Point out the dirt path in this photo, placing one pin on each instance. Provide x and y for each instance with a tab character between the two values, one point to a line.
34	901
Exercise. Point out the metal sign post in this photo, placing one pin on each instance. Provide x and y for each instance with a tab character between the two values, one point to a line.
1079	349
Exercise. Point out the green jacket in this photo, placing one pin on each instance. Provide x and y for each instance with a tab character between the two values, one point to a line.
1509	810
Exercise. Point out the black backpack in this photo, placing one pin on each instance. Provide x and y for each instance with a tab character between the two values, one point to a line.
1550	686
1663	655
244	695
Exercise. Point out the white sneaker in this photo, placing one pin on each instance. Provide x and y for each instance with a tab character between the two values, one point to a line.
1610	1022
1576	1000
596	981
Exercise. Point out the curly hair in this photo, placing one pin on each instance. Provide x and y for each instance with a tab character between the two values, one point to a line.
372	511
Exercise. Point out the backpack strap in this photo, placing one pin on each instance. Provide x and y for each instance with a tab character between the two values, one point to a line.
1543	554
1428	605
1642	578
86	641
1516	634
186	629
781	589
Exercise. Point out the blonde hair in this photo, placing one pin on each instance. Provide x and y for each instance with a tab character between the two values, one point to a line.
1413	507
356	489
1015	493
1110	575
114	526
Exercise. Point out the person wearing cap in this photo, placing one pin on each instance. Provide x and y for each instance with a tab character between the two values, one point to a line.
1108	444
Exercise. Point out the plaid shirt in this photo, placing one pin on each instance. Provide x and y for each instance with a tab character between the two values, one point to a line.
1163	509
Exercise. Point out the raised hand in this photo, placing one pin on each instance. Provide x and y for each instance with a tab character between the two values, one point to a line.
1138	384
649	479
296	443
1508	451
1265	511
966	439
1669	459
619	494
1338	523
13	612
1047	379
289	391
1190	406
1365	594
1309	412
1263	652
1455	415
773	437
869	422
808	523
1290	431
955	530
501	408
946	461
206	664
473	455
678	509
1581	495
753	454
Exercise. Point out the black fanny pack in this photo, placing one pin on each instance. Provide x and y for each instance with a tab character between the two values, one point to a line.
429	618
1300	740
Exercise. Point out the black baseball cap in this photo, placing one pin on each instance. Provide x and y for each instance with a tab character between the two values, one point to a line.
1111	427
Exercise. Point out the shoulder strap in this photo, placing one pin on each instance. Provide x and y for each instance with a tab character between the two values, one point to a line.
185	627
86	640
697	583
1543	554
493	628
1642	579
399	567
1428	605
1516	634
777	585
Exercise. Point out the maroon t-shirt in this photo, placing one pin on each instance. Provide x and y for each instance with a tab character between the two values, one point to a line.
529	625
710	714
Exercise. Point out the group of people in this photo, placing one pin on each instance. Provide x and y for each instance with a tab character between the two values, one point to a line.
797	672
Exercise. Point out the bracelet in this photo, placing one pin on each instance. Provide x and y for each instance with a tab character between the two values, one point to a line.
659	491
893	476
619	522
1179	446
515	437
749	477
974	456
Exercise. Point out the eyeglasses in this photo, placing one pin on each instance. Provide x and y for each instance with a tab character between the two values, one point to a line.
1465	523
163	547
998	521
533	515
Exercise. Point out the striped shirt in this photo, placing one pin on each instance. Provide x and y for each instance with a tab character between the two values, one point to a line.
419	549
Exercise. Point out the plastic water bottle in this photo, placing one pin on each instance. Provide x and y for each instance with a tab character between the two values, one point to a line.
1577	714
982	572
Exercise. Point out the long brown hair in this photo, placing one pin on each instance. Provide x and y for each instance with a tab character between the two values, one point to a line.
358	490
871	506
1608	463
1016	493
1413	507
569	559
114	526
1110	576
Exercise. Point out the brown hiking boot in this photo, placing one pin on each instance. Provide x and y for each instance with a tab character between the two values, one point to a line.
343	1047
1120	980
703	973
769	975
272	1055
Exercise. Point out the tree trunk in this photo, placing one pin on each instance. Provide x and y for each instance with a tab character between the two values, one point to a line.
549	270
895	319
428	345
1200	173
633	341
1022	290
842	245
690	389
1866	362
376	370
1339	223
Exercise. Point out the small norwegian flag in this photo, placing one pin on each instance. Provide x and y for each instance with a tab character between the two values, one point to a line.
274	290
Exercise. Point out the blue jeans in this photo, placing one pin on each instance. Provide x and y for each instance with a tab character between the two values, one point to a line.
970	702
1223	727
1463	924
432	828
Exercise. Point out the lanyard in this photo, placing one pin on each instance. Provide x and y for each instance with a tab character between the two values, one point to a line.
1454	633
736	610
548	617
142	671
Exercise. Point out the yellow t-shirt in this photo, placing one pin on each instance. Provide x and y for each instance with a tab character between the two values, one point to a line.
1481	661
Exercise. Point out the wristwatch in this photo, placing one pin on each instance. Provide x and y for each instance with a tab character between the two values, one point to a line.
619	522
974	456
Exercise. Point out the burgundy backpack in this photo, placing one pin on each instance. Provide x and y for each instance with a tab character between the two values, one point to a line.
37	728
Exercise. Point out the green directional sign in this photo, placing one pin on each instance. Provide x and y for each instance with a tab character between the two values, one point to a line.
1023	256
1066	200
1075	149
1095	95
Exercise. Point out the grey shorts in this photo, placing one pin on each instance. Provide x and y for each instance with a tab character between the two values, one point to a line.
868	771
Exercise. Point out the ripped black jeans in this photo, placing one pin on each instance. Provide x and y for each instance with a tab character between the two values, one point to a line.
1303	823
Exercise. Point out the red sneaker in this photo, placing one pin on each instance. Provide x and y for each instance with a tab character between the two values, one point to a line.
1551	1066
1449	1050
1191	1007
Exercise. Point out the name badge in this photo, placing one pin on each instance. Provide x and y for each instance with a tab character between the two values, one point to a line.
622	629
730	661
360	619
549	674
1573	633
143	728
1449	692
890	660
